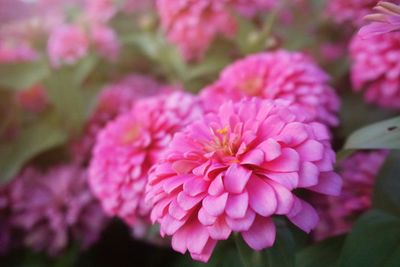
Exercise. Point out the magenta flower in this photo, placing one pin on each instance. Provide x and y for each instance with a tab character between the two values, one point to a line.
193	25
284	75
53	207
16	53
386	20
113	100
359	173
100	11
130	145
376	68
233	170
349	11
66	45
105	41
250	8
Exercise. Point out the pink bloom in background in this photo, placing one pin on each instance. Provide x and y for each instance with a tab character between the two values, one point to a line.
55	206
128	146
233	170
387	20
67	44
100	11
349	11
250	8
10	53
359	173
277	75
33	99
138	5
113	100
193	25
375	68
105	41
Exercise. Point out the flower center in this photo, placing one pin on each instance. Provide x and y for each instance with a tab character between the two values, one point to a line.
130	134
251	86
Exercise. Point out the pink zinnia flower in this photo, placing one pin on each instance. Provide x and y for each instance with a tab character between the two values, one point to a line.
376	68
249	8
10	53
54	207
105	41
233	170
193	25
359	173
387	20
113	100
278	75
33	99
67	44
127	148
101	11
349	11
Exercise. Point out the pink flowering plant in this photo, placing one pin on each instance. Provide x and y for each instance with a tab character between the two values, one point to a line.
240	133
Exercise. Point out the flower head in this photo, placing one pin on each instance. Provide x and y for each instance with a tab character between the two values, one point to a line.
359	173
67	44
376	68
233	170
114	99
193	25
105	41
128	146
386	20
55	206
278	75
349	11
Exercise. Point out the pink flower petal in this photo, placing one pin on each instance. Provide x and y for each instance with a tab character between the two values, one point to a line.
205	218
206	253
254	157
287	179
197	237
262	197
284	197
271	149
311	150
261	234
215	206
329	183
303	215
308	175
293	134
235	178
219	230
195	186
216	187
242	224
187	202
288	161
236	205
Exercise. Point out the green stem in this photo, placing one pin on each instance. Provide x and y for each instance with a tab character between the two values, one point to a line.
241	250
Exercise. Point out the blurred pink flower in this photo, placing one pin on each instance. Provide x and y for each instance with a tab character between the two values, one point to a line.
376	68
100	11
113	100
128	146
33	99
359	173
249	8
193	25
386	20
105	41
5	226
349	11
67	44
16	53
284	75
233	170
54	207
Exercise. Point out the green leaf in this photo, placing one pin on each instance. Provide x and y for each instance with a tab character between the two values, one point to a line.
373	242
325	253
384	135
387	187
68	97
33	140
18	76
